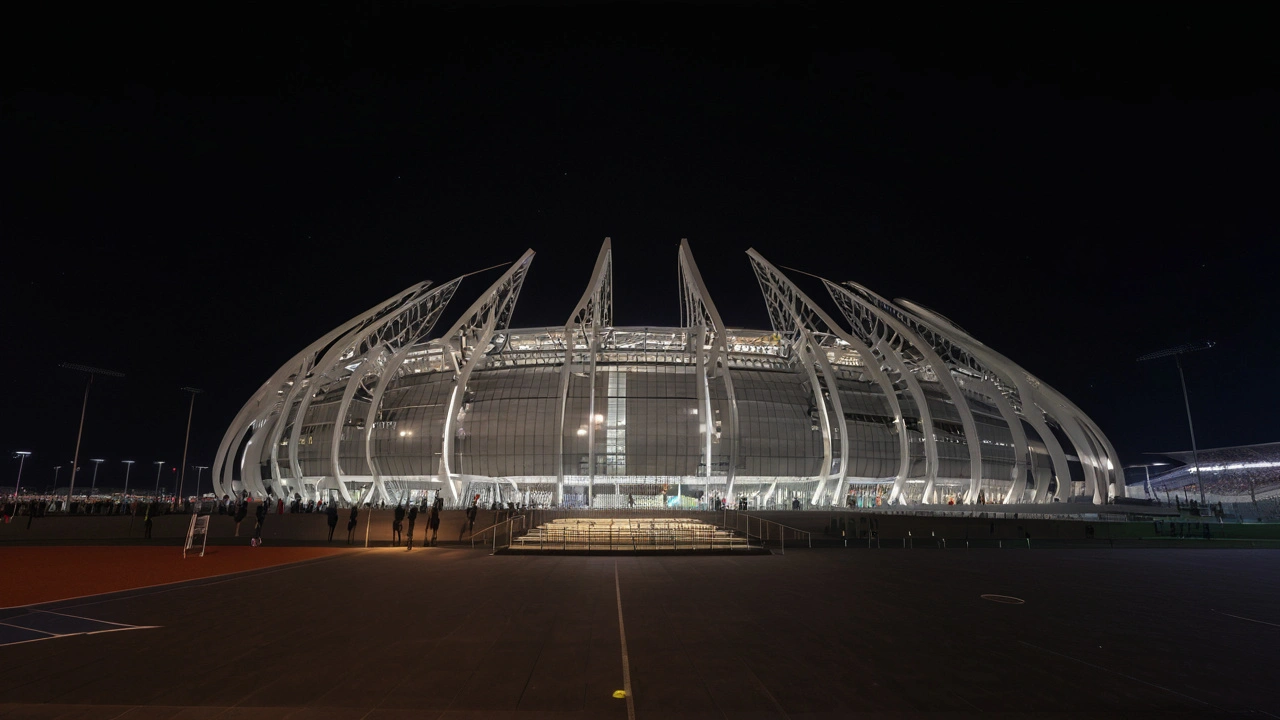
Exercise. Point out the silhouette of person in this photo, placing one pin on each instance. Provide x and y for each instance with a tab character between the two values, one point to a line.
434	522
413	520
241	511
333	519
351	522
261	515
397	519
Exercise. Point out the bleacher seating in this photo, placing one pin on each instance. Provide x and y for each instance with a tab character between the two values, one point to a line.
629	534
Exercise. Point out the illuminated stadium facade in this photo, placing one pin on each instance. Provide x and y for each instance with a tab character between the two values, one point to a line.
890	404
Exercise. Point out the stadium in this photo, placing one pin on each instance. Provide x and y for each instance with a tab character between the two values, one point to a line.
890	404
1243	475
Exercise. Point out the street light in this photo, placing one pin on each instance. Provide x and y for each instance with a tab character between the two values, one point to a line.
56	468
90	372
182	481
22	459
128	465
159	466
97	463
1177	353
199	471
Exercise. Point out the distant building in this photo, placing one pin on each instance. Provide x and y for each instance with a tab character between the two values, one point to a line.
890	404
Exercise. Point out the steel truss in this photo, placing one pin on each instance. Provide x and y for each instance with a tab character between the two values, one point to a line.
899	350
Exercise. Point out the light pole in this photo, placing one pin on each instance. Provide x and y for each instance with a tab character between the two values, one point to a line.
90	372
159	466
182	481
1177	353
56	468
97	463
128	465
22	459
199	471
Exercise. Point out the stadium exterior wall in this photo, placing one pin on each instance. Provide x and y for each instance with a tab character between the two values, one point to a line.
895	405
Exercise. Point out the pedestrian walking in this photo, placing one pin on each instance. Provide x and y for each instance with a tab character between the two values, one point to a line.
434	521
261	515
413	520
146	521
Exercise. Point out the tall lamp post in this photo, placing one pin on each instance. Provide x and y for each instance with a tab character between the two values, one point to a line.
1177	353
159	466
182	480
97	463
199	471
22	459
56	469
128	465
90	372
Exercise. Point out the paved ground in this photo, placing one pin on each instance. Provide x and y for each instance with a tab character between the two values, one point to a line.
56	573
452	633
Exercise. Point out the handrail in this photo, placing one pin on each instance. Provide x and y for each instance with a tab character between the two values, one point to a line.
763	533
510	531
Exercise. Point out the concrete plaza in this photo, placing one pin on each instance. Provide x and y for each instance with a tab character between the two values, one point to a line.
830	633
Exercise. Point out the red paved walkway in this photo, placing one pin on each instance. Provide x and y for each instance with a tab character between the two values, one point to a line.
43	574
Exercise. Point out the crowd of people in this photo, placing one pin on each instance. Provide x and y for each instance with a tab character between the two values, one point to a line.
1248	473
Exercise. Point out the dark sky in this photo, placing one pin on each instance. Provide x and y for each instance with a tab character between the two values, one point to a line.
190	197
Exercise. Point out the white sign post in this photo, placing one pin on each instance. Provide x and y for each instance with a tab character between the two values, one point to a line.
199	526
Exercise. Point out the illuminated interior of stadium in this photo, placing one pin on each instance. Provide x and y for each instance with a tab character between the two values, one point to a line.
890	404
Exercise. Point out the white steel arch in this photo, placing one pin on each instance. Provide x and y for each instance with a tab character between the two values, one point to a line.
593	311
700	311
790	309
268	399
1052	403
469	338
853	306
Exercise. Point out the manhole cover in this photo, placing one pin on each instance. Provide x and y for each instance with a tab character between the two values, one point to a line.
1006	599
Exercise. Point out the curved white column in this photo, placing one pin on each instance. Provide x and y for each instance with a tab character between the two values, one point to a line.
701	306
1021	454
941	370
594	309
926	429
1031	390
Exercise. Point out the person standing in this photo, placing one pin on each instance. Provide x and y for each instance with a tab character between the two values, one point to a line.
397	519
351	522
470	524
413	520
434	522
333	520
146	521
261	515
241	511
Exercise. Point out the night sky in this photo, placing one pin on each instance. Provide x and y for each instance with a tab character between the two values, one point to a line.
191	197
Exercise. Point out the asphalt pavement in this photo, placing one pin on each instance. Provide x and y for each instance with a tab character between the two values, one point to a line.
456	633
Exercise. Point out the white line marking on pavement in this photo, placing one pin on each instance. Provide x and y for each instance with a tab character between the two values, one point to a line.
1241	617
622	633
1128	677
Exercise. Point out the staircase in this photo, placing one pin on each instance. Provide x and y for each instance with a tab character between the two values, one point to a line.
631	535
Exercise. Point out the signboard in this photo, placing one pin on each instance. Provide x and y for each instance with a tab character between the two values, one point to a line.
199	526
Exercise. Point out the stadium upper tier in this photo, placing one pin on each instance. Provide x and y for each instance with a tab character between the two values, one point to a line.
891	404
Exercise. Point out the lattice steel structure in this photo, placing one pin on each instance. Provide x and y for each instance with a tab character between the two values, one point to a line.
891	404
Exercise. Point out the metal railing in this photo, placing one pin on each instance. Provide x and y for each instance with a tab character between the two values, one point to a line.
766	531
496	530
